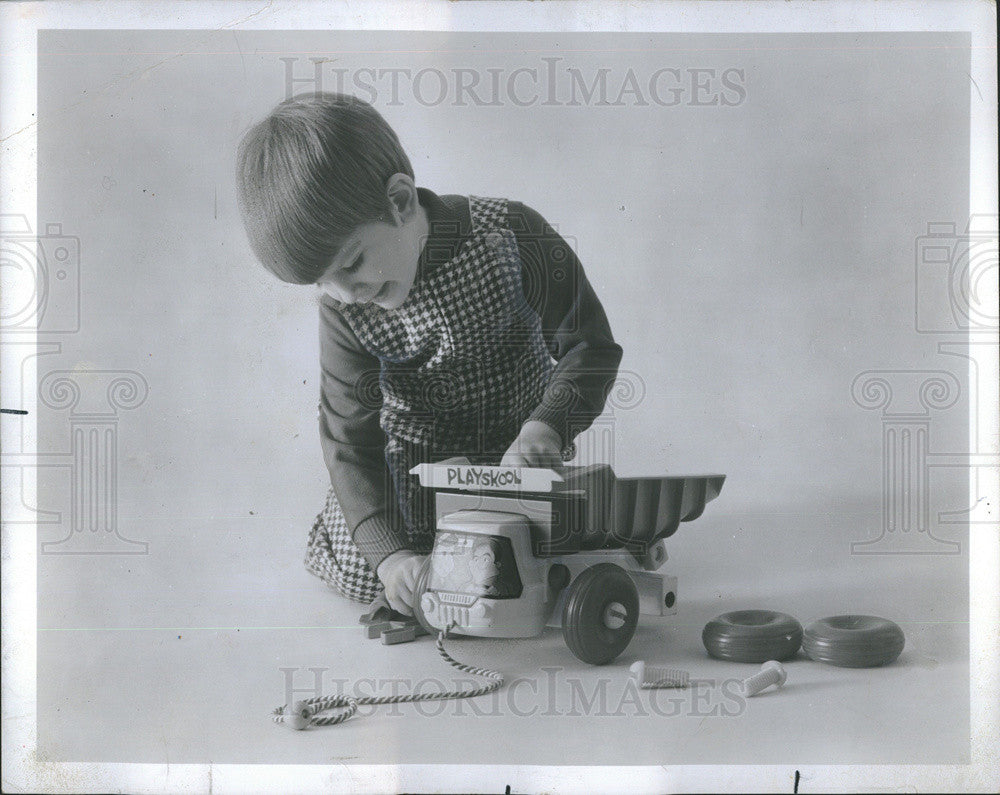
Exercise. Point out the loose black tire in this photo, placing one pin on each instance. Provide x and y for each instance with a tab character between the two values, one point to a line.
585	621
853	641
752	636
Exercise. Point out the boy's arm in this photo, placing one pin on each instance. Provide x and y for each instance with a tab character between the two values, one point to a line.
353	441
574	325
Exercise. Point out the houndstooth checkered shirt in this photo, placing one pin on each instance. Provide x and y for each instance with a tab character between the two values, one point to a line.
458	369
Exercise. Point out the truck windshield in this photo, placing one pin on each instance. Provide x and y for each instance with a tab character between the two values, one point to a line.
475	565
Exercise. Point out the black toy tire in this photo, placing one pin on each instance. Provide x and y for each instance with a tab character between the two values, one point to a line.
589	597
418	591
752	636
853	641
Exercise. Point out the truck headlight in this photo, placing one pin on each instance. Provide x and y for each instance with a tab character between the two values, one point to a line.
428	603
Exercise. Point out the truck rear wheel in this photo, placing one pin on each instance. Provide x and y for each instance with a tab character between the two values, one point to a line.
600	614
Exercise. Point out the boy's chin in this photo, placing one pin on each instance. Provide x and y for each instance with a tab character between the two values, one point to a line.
393	298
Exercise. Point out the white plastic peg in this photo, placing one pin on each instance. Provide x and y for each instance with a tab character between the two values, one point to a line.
771	673
652	676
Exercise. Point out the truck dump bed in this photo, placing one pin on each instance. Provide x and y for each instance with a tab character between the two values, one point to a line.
636	511
591	508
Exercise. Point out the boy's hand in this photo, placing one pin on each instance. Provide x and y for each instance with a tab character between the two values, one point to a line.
398	574
537	445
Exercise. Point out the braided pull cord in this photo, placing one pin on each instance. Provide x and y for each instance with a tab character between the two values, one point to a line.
305	713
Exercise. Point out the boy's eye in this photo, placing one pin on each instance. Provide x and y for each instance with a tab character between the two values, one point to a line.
354	265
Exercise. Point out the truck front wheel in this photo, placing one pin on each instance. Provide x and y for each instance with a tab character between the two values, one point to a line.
600	614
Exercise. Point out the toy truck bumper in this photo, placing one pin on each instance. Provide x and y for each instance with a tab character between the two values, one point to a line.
482	617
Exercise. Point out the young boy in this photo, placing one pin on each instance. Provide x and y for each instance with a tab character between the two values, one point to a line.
449	325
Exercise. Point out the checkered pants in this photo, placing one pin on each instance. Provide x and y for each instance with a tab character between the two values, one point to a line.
332	556
331	553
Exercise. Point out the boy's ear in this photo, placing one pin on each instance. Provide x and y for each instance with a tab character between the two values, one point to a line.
402	194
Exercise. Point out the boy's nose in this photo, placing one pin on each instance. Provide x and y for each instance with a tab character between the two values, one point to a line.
346	294
330	291
357	294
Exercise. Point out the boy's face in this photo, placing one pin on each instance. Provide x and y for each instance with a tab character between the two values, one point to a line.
377	264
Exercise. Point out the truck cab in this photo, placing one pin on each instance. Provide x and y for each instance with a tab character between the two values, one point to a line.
484	579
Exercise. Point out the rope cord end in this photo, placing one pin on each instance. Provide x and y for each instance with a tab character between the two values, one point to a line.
306	713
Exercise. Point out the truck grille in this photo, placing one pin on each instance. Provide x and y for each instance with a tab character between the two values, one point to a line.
457	598
454	614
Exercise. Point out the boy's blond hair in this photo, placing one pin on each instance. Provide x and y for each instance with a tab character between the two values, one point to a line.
311	173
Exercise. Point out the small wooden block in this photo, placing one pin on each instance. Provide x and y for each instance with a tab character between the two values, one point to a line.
375	629
399	635
409	630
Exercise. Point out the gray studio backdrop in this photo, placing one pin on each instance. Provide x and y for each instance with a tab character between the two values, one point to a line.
749	209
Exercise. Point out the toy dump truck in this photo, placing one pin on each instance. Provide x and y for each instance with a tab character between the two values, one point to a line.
519	548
